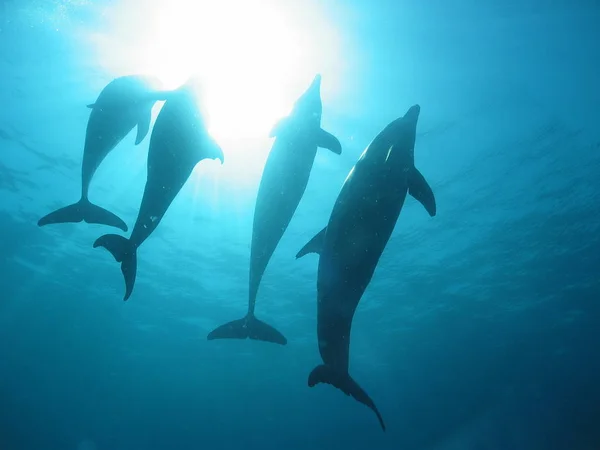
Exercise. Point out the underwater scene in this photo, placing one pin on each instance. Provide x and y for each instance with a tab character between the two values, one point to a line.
299	224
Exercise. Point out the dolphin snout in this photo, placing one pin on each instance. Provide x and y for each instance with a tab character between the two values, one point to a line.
413	112
315	86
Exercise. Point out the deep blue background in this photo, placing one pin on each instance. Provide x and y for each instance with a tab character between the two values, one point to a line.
479	329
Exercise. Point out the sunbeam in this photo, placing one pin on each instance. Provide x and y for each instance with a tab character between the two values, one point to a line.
253	57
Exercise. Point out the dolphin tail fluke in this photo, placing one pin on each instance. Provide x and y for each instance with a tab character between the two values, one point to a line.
231	330
248	327
329	141
345	383
315	245
421	191
262	331
123	252
95	214
86	211
68	214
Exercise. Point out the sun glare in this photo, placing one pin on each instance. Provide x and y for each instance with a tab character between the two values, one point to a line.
253	57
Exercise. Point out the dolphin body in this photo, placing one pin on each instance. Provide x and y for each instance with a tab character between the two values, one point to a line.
178	143
124	103
360	225
281	188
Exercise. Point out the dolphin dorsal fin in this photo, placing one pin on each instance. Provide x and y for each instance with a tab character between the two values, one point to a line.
315	245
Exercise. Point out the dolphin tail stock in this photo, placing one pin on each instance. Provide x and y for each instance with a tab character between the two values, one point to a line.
344	382
329	141
86	211
248	327
315	245
419	189
123	252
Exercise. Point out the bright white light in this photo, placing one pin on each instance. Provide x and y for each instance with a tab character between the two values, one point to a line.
254	57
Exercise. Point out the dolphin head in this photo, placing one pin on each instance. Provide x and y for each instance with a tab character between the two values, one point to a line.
129	91
309	103
412	115
150	82
404	126
193	87
315	86
400	136
408	131
154	88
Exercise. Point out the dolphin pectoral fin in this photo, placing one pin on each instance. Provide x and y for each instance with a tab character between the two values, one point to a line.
421	191
248	327
217	151
278	128
143	126
329	141
315	245
91	105
345	383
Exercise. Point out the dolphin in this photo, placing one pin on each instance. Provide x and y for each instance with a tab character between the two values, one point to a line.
124	103
282	185
179	141
361	222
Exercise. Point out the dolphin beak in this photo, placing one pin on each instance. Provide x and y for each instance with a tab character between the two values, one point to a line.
413	113
312	95
315	86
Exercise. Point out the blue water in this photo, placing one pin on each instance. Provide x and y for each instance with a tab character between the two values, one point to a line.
479	329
